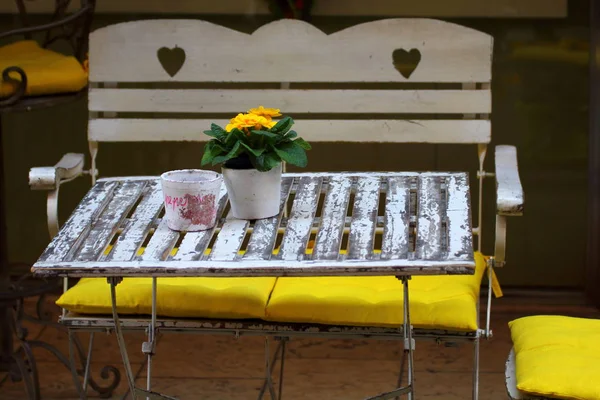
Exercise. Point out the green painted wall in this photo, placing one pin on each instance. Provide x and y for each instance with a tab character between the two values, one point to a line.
539	105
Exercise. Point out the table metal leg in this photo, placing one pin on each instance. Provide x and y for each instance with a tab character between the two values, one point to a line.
409	346
135	392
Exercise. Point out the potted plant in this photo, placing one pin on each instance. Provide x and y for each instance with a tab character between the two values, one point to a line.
251	150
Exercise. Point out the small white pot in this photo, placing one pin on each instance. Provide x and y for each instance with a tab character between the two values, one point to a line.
253	194
191	197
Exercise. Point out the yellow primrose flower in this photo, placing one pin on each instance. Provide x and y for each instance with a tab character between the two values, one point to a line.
265	112
246	121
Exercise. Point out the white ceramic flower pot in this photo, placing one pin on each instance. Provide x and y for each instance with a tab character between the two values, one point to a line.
190	197
253	194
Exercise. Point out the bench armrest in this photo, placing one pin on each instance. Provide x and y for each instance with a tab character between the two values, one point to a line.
68	168
509	192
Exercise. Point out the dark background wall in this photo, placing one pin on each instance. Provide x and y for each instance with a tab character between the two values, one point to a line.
540	104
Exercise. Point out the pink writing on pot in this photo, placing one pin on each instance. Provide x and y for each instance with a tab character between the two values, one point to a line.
175	202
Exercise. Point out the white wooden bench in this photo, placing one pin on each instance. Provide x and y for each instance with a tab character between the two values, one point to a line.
276	59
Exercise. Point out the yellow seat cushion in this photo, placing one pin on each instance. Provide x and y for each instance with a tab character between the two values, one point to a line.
440	302
557	356
176	297
48	72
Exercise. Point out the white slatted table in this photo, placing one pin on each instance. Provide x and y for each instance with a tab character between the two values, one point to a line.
396	224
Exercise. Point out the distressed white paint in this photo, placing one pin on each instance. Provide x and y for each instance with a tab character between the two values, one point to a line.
510	196
429	219
361	53
105	227
332	222
143	217
194	244
264	234
292	101
389	131
300	222
79	223
230	238
160	245
458	218
364	215
396	219
274	268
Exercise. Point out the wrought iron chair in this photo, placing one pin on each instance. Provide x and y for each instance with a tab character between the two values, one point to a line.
20	365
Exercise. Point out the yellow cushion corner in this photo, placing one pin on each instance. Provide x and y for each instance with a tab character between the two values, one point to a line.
176	297
557	356
48	72
437	302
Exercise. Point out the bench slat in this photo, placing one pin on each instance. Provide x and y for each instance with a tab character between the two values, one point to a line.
124	197
161	243
295	101
364	216
335	207
75	230
429	219
397	218
291	51
142	219
194	244
299	224
342	130
458	218
263	238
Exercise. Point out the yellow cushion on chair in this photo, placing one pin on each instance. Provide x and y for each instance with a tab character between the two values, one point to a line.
439	302
48	72
176	297
557	356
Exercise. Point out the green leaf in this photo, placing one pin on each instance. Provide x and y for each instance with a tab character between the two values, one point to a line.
271	160
211	150
235	136
282	126
289	136
217	132
303	143
235	151
292	153
269	135
255	152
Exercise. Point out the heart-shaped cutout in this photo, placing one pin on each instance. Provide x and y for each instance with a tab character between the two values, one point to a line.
406	62
171	59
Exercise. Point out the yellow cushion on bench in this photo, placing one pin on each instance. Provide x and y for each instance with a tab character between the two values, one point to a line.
441	302
557	356
176	297
48	72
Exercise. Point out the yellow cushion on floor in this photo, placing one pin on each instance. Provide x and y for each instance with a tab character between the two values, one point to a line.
48	72
441	302
176	297
557	356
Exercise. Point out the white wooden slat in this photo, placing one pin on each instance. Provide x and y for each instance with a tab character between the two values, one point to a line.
292	101
143	217
458	219
333	218
429	218
342	130
264	235
510	197
363	53
194	244
105	227
160	245
76	228
364	216
300	221
230	239
396	219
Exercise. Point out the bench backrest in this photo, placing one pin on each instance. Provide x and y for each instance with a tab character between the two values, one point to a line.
355	85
